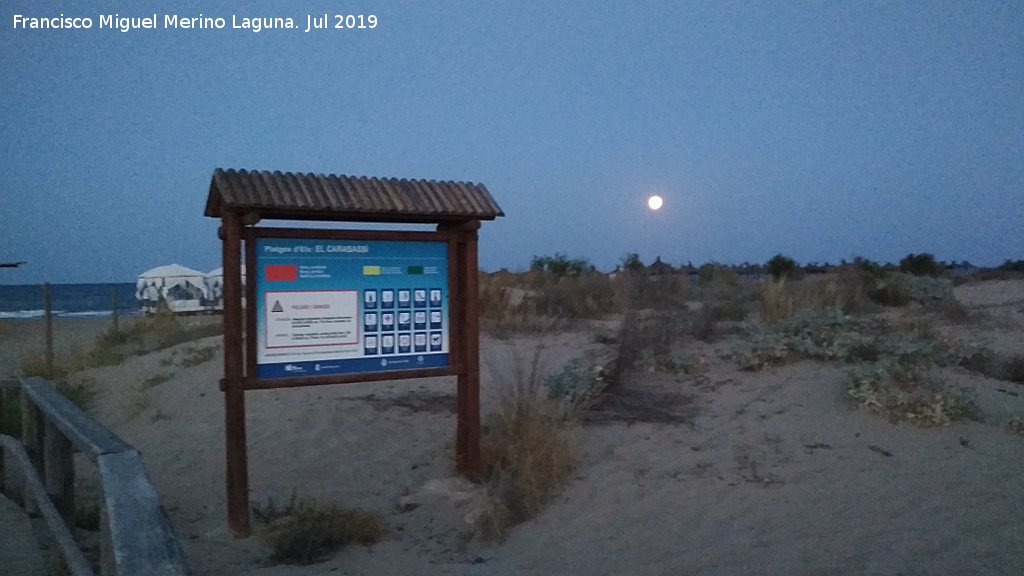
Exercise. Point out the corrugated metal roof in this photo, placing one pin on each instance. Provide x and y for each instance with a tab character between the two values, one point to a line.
318	197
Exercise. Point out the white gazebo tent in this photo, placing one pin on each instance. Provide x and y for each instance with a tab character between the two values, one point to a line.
182	289
215	288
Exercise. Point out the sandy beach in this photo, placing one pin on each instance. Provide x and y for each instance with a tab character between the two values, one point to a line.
766	472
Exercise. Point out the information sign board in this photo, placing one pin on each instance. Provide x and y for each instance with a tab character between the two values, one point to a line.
339	306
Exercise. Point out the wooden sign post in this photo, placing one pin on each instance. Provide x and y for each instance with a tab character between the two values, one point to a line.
320	308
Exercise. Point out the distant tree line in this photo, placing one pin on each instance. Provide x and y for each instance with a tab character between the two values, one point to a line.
778	266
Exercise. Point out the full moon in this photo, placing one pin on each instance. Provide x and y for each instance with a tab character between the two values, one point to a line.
654	202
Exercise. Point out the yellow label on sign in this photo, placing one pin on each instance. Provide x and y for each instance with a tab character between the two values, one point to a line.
371	270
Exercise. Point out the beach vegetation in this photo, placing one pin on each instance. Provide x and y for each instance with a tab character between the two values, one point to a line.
870	267
922	264
902	393
1015	425
561	265
539	301
632	264
1012	266
780	267
986	362
901	289
776	302
527	446
306	531
157	379
888	368
196	355
830	335
114	345
845	290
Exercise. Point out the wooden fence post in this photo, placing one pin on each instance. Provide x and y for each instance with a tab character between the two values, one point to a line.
32	440
467	325
113	307
4	394
234	387
59	472
48	312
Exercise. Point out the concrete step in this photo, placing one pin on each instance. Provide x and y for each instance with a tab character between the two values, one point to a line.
19	550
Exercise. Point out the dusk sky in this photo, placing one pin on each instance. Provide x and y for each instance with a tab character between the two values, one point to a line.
821	130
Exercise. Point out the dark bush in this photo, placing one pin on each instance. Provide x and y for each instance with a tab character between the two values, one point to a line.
922	264
1012	266
781	267
633	264
893	294
561	265
873	269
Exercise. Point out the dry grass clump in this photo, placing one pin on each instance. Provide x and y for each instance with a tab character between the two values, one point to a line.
846	290
194	356
308	531
532	302
776	301
640	290
528	449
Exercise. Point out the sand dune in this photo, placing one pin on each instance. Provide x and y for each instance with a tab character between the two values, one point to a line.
771	472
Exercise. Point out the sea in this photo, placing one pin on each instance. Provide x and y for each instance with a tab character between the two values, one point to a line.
67	300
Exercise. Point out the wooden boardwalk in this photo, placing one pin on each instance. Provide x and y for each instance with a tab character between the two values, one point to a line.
19	549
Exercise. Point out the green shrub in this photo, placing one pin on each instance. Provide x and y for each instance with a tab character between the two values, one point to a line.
561	265
1014	266
831	336
923	264
902	289
896	390
577	383
780	266
869	267
632	264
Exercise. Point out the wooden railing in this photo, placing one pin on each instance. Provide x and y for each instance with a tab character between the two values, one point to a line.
137	539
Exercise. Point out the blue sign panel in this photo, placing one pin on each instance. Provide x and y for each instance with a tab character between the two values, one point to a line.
326	306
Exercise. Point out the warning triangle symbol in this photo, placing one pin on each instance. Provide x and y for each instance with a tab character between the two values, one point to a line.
277	307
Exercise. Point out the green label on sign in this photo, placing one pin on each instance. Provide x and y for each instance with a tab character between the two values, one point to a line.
415	270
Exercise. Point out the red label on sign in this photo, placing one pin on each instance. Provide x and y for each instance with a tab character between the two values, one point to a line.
281	272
